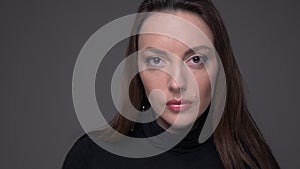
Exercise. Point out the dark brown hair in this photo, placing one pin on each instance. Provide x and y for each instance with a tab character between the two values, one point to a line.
238	140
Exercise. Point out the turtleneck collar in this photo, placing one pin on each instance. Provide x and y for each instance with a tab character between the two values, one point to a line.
190	142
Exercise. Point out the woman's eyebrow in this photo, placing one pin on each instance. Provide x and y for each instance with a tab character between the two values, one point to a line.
186	53
196	48
155	50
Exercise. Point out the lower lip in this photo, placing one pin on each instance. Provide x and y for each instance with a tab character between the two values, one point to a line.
179	107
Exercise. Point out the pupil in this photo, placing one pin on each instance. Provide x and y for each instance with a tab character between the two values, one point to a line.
196	59
156	60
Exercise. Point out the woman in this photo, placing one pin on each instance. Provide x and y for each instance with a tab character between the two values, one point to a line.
236	141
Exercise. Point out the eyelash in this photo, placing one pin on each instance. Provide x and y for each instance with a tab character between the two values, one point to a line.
151	59
202	60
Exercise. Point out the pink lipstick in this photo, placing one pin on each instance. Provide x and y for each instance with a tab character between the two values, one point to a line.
179	105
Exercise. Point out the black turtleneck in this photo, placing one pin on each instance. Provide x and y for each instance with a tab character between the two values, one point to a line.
187	154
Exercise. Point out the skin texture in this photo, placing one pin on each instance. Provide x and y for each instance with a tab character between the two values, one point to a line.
170	75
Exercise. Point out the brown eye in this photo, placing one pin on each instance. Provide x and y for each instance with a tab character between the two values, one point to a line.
197	60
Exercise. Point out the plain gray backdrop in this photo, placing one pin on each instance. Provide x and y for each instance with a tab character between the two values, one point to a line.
40	41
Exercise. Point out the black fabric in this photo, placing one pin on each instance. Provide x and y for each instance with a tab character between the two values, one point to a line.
188	154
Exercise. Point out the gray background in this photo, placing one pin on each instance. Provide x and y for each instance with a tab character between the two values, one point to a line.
40	41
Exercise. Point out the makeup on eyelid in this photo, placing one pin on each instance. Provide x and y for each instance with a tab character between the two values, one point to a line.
158	61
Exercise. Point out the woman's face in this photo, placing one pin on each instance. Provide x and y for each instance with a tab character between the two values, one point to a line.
173	74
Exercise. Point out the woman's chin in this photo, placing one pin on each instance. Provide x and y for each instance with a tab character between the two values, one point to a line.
176	122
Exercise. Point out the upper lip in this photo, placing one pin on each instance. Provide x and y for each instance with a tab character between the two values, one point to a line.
178	102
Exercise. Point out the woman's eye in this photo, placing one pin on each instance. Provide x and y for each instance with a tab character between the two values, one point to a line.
197	60
155	61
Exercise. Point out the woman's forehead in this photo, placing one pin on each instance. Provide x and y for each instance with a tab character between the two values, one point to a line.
154	42
186	27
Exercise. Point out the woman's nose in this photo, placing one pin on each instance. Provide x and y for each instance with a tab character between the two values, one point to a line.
177	81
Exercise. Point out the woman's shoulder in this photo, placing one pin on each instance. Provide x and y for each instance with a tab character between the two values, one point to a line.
84	142
80	154
86	153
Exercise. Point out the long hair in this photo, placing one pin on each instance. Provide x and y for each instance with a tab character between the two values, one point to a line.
238	140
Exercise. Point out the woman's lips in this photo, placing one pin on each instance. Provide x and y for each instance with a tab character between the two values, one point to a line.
179	105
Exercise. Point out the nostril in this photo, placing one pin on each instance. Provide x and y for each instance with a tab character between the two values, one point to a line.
176	85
